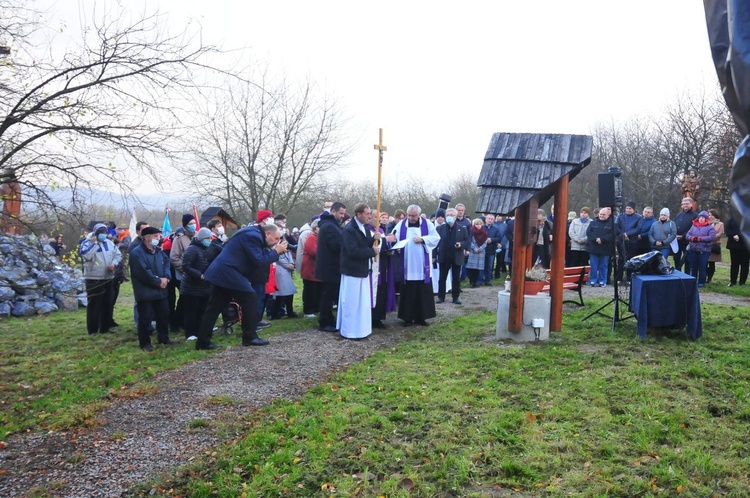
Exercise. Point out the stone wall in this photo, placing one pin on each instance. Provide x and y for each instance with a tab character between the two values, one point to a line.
35	283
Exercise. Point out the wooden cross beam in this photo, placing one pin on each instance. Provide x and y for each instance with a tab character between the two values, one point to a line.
380	148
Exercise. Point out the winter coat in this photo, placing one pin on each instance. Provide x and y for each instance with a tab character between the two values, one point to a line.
577	234
701	236
243	256
599	229
214	249
475	260
304	233
447	253
495	233
719	228
194	264
630	224
328	261
309	254
284	276
733	228
664	232
146	271
356	250
684	221
97	257
179	246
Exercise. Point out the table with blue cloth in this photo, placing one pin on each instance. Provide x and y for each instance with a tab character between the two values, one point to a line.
666	301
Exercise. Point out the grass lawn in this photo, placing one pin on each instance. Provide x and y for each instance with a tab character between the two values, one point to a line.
53	375
450	413
454	413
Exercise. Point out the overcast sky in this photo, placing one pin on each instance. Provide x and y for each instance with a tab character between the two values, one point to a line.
441	77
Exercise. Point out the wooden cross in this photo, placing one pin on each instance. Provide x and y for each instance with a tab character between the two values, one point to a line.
380	148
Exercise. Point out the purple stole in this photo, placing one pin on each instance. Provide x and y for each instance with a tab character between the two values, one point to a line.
424	231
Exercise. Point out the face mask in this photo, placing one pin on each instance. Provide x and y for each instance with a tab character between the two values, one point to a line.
206	242
449	220
220	230
269	221
154	242
191	227
101	237
282	223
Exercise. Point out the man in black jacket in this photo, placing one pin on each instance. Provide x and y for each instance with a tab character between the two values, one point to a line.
150	273
327	263
451	251
683	221
358	247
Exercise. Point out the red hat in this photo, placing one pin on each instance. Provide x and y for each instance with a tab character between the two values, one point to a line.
262	215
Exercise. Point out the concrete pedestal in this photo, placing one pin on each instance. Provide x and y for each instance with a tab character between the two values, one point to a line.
537	306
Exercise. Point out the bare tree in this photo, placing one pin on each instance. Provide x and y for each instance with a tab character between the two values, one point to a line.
687	138
269	146
72	120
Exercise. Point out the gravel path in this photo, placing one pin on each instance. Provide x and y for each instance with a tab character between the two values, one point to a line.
139	438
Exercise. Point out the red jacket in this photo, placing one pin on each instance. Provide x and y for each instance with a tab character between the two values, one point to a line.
309	253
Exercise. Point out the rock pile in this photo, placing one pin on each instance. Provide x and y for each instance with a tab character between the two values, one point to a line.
34	283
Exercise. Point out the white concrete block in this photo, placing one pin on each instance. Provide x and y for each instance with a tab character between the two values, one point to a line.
537	306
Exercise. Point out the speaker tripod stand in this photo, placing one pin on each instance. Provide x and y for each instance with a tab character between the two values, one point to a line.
618	314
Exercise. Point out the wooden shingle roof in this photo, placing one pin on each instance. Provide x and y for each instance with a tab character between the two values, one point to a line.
518	166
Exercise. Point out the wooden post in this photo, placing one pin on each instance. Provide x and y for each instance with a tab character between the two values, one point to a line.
559	229
521	253
380	148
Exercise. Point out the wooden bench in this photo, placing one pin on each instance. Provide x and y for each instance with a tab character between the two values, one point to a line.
574	278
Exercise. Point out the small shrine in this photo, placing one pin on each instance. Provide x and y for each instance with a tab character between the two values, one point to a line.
522	171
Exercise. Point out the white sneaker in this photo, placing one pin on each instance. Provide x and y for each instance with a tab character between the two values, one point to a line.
192	338
310	315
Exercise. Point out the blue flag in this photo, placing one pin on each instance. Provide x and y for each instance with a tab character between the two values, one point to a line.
166	227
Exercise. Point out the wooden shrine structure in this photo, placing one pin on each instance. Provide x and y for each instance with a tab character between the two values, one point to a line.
522	171
218	212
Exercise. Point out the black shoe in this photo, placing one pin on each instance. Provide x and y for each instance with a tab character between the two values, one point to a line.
148	348
730	285
167	343
408	324
328	328
456	301
263	325
208	346
423	323
114	324
292	315
379	325
255	342
440	301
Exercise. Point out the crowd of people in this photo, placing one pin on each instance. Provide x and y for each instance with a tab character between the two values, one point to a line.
693	240
356	268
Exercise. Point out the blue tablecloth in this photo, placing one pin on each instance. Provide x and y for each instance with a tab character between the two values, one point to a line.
666	301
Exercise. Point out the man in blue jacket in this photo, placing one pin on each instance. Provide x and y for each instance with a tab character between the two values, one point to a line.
628	227
231	272
150	273
495	233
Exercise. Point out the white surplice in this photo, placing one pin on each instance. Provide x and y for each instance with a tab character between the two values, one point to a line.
414	252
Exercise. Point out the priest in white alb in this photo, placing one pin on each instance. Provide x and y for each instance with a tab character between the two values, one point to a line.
358	246
416	303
